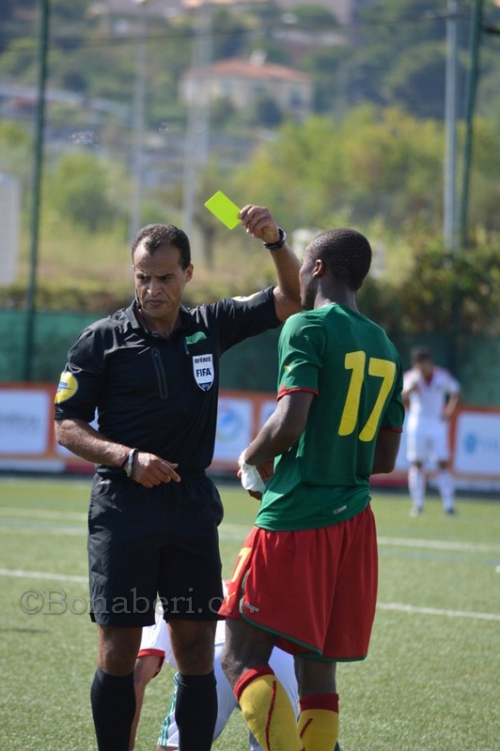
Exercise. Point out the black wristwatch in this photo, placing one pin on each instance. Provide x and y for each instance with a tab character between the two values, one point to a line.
129	466
279	243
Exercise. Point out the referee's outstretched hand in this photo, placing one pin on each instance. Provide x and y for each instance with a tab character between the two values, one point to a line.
259	223
150	470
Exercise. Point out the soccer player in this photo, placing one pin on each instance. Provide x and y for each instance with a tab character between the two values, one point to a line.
306	577
151	372
433	395
156	650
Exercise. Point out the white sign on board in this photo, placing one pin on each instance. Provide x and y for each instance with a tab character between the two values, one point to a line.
24	422
234	428
477	443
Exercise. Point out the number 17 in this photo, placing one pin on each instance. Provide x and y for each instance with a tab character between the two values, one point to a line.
385	369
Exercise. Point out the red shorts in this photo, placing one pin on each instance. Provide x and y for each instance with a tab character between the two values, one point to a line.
315	589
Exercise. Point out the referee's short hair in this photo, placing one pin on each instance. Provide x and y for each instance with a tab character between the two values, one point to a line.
346	253
155	236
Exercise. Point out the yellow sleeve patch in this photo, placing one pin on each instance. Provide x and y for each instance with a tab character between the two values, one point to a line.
68	386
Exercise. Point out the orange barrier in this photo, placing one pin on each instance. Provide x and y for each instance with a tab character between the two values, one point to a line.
27	441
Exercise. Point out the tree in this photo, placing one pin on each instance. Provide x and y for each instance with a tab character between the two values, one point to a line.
79	191
230	32
444	292
371	163
314	17
15	152
325	66
418	81
7	26
397	56
267	112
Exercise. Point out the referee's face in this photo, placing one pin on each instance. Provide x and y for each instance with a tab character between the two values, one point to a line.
159	282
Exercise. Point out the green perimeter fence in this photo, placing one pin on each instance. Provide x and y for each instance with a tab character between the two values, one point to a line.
252	365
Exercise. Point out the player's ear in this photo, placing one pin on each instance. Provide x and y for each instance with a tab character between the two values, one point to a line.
319	267
189	272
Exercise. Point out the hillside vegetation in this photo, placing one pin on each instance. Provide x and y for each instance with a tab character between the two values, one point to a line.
370	156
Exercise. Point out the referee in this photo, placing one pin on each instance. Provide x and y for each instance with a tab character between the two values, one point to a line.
150	373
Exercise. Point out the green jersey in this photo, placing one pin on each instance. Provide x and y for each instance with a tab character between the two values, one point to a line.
355	372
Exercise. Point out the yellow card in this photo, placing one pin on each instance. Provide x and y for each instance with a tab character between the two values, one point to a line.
224	209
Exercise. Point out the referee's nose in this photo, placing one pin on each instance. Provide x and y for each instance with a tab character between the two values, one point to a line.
154	287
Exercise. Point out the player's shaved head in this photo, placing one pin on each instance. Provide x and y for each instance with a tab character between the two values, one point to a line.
345	252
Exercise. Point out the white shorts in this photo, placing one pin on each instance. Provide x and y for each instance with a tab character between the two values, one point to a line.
155	640
427	440
226	703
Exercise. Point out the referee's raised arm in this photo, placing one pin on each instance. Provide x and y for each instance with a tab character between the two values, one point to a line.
260	224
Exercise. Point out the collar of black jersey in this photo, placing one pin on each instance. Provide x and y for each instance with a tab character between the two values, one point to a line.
188	323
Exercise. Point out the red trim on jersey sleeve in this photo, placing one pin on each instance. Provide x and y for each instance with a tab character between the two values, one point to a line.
283	390
151	652
394	430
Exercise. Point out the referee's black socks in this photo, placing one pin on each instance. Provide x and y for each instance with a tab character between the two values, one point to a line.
113	707
196	711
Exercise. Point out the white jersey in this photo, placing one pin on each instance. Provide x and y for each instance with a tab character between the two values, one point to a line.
156	641
428	399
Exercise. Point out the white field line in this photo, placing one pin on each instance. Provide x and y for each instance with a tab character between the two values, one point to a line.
42	514
34	530
468	547
42	575
402	608
228	531
438	611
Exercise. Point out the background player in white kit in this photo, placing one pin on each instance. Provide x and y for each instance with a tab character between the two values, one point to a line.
432	394
156	649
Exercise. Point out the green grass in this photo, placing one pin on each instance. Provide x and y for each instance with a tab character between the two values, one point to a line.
430	682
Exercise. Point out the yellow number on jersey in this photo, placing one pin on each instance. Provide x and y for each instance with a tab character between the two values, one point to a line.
242	559
384	369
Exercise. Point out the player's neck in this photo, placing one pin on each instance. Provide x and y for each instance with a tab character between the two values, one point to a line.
340	295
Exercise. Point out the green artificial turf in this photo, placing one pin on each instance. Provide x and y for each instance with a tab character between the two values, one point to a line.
430	682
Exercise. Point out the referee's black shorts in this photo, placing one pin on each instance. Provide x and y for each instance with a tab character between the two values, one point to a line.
150	543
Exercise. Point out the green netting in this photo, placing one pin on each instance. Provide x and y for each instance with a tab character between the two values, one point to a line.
252	365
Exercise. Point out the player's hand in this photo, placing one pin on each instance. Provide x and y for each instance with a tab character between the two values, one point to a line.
411	386
253	493
150	470
266	470
260	223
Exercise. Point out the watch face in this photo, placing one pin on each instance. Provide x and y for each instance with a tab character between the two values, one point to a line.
130	463
279	243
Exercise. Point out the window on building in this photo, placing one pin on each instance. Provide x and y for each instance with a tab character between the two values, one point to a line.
296	98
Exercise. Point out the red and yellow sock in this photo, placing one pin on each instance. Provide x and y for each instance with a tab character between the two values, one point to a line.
267	710
319	721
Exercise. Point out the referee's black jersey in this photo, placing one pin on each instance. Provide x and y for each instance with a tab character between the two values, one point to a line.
157	394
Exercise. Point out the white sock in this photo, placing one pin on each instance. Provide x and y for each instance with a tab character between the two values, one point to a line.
446	487
416	486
